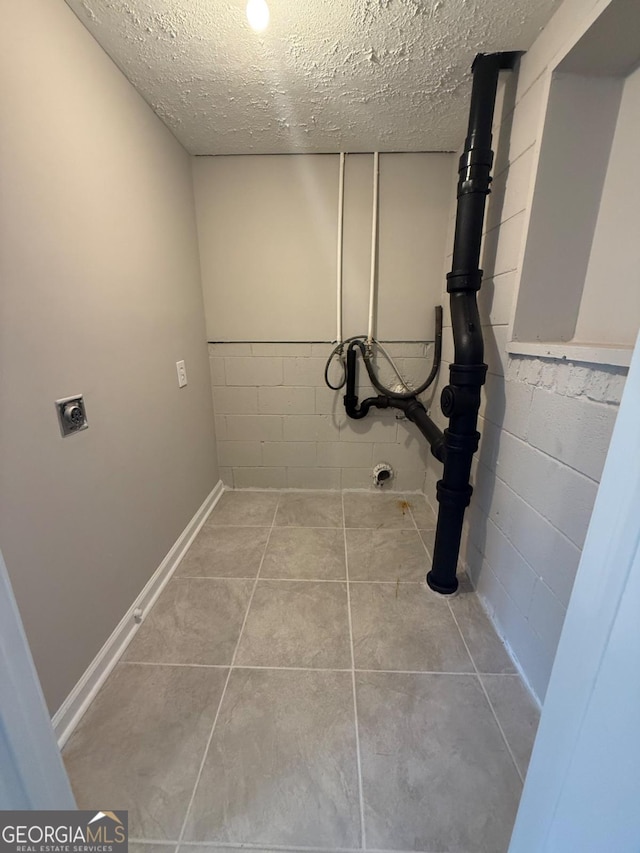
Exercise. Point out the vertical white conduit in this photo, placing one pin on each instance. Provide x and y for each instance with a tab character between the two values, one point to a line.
340	243
374	246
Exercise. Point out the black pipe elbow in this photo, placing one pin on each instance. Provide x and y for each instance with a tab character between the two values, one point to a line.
353	410
357	412
467	327
417	414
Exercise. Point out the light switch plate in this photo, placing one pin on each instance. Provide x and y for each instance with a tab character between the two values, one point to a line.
182	374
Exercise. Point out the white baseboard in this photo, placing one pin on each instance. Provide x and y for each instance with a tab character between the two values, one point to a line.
74	706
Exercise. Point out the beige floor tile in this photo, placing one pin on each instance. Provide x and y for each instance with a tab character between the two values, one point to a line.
194	621
282	765
225	552
300	509
386	555
486	648
362	509
404	628
245	509
429	539
297	623
436	772
305	552
517	713
421	511
140	744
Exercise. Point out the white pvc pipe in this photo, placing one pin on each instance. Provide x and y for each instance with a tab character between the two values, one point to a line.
374	246
340	242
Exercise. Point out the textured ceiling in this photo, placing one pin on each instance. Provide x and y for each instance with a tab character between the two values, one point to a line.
326	76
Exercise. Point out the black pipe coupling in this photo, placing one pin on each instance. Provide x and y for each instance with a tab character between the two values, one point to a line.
461	443
464	282
475	157
467	374
453	497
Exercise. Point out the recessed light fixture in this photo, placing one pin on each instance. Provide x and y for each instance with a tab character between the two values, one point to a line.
258	15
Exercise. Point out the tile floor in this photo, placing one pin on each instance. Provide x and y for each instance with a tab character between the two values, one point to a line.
297	686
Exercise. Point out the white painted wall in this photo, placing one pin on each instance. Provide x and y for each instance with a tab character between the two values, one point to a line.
610	305
268	232
101	296
578	131
268	236
581	792
279	426
545	423
268	241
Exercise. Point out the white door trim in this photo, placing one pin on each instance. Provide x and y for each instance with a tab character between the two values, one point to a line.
33	775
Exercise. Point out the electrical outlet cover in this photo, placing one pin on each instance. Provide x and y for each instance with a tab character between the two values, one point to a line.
72	414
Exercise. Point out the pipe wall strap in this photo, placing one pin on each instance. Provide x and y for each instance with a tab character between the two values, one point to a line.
478	185
475	157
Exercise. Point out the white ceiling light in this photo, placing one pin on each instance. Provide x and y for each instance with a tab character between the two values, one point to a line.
258	15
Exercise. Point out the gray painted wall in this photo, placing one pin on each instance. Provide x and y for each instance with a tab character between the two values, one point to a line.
100	295
268	230
268	240
610	306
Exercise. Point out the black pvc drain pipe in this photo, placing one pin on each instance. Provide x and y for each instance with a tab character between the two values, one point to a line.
460	399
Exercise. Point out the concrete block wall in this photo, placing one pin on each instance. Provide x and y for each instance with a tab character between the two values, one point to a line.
279	426
545	423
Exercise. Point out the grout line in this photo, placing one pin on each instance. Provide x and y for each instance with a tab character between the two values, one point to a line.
280	848
171	663
363	836
241	526
314	526
486	696
424	544
215	578
415	524
294	580
499	724
226	683
394	582
294	668
470	673
317	668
